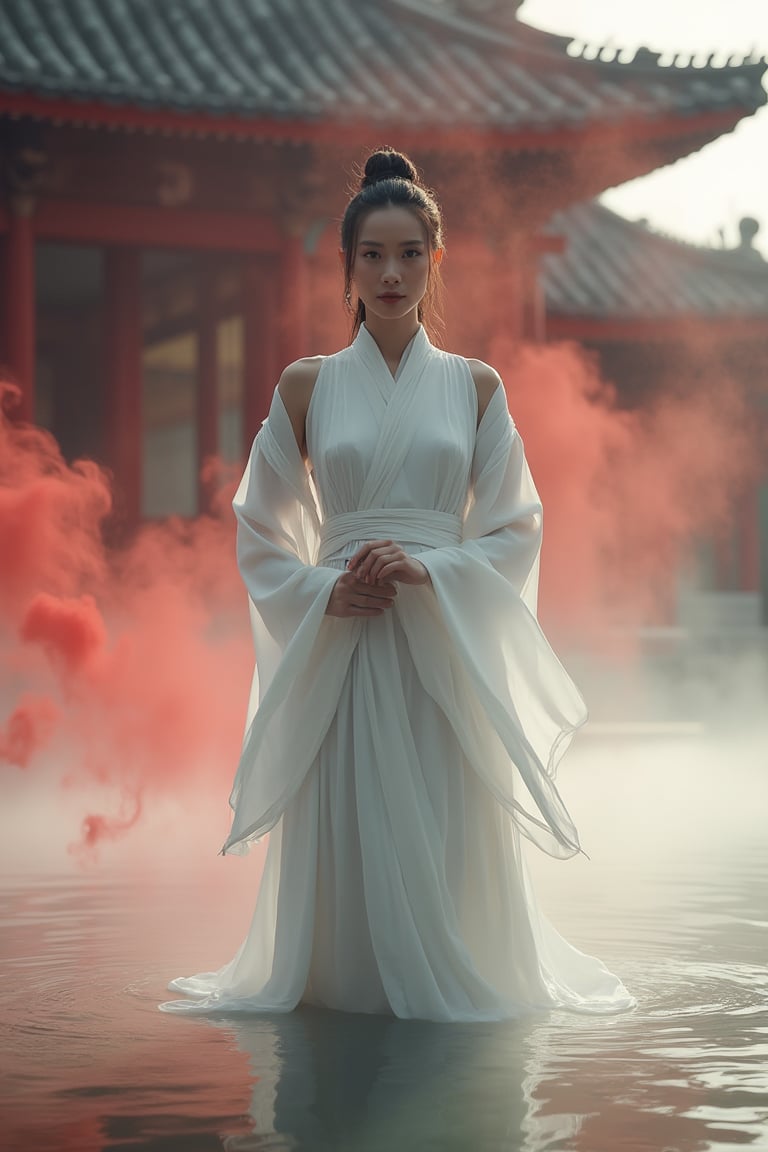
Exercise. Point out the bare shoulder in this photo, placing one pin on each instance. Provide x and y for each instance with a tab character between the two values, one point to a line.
295	387
487	380
298	379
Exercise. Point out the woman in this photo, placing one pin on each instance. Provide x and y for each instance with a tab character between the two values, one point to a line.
407	713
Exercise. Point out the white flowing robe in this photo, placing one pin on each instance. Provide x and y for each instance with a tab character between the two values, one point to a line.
394	760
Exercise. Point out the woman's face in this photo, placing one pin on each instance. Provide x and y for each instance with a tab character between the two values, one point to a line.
391	265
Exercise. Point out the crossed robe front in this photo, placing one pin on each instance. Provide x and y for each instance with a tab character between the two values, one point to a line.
395	759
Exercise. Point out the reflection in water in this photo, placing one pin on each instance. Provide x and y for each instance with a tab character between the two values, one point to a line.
676	903
327	1081
361	1082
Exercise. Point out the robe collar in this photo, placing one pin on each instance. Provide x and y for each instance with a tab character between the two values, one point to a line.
368	350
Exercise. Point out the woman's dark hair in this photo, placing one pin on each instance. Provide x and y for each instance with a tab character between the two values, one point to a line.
389	177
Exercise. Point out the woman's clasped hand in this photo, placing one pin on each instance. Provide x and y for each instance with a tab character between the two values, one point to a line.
368	588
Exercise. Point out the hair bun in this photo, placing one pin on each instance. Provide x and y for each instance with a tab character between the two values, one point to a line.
386	164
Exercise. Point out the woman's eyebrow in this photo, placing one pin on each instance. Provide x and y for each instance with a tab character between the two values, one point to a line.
403	243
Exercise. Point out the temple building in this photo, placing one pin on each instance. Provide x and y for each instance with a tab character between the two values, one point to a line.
660	314
172	177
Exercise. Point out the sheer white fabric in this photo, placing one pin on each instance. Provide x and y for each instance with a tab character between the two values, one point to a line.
395	761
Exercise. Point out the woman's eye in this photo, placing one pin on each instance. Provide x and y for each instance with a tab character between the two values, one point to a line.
371	253
413	252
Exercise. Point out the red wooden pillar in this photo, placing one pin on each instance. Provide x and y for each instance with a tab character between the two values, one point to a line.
207	386
20	300
292	301
260	344
534	303
125	430
505	300
749	540
532	300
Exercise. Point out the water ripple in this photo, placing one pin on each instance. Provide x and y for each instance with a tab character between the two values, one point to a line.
95	1066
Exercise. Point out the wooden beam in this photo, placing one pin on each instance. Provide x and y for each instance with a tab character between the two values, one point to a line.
145	226
432	137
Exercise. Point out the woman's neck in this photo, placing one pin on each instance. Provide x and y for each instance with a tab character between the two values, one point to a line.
393	336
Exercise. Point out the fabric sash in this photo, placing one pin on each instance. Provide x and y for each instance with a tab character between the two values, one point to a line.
424	526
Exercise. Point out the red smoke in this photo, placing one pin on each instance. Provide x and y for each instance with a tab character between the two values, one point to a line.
97	827
624	491
28	729
132	666
71	631
50	516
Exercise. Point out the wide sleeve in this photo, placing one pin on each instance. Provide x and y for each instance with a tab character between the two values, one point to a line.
300	653
278	531
497	665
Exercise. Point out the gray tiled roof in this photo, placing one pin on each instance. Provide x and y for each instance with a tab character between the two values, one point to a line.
614	268
426	61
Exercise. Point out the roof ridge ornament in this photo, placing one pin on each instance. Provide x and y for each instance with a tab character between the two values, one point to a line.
645	57
748	229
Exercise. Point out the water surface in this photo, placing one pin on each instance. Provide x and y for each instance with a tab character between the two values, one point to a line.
675	899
